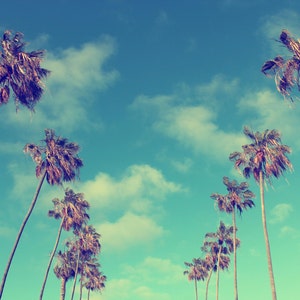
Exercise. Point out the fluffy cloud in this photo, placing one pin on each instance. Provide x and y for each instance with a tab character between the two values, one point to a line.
280	212
135	197
139	186
192	125
130	230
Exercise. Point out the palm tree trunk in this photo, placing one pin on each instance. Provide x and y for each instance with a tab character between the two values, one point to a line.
234	253
196	289
63	288
218	271
207	283
270	267
76	273
81	287
35	197
51	257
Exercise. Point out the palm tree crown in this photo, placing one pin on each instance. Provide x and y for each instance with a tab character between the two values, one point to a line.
285	71
20	71
71	209
239	197
265	153
57	157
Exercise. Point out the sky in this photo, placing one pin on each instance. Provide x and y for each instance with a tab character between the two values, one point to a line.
156	93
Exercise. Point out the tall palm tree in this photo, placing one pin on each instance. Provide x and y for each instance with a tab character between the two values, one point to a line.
57	161
218	243
264	158
72	212
86	245
239	198
285	71
65	269
197	270
20	71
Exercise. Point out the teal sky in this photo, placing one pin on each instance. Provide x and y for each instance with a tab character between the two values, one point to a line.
156	93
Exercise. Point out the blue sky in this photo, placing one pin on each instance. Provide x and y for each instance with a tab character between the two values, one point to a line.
156	94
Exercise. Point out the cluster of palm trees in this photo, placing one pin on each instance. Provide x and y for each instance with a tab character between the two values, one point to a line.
263	158
57	162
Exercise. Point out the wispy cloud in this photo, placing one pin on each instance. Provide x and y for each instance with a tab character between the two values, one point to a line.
137	280
272	26
267	110
291	232
280	212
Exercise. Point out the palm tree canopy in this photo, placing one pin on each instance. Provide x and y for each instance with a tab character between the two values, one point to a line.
65	265
57	157
197	269
72	209
285	71
91	277
266	153
239	196
20	71
221	238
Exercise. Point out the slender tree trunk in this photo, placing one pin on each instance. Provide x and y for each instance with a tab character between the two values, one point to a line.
63	288
218	271
35	197
89	290
207	283
196	288
76	273
51	258
263	212
81	287
234	253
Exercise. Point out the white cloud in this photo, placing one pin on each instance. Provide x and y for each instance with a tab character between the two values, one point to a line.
182	117
280	212
195	128
139	186
130	230
76	75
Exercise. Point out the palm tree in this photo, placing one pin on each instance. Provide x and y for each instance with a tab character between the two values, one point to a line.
91	277
20	72
72	212
95	283
218	243
197	270
239	198
65	269
57	161
285	71
86	246
264	158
